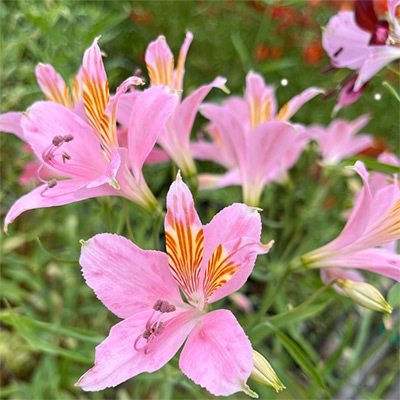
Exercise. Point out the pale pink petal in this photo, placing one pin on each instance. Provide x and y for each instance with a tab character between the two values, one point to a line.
124	277
293	105
53	85
359	217
339	139
213	181
230	131
157	156
260	99
218	354
392	8
348	95
232	241
377	57
269	143
175	138
180	67
204	150
184	239
160	62
126	104
45	120
65	192
117	359
152	109
378	260
11	122
109	176
335	40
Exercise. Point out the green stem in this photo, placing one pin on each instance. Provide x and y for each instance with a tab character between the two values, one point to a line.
127	220
268	299
159	217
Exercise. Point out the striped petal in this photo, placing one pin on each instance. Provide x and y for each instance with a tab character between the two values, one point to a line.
53	85
160	62
96	95
184	239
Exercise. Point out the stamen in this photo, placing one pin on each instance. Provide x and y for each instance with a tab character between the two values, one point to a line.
57	140
68	138
154	326
51	183
65	156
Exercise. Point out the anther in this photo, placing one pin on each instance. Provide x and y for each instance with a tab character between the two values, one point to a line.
163	306
51	183
57	140
65	156
68	138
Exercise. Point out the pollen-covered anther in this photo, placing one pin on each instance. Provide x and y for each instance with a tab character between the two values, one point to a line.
58	140
68	138
51	183
154	325
65	156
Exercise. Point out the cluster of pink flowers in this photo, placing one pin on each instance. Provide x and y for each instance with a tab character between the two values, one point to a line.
93	143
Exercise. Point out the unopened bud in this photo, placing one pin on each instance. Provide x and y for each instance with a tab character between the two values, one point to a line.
264	373
365	295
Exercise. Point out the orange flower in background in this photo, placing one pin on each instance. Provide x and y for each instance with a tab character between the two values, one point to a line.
312	53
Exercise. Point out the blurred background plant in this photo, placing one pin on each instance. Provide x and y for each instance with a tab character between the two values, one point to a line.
51	321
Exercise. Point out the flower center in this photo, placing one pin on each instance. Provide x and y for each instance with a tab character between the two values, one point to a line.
154	326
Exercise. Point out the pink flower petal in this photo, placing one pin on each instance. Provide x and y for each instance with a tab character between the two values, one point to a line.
184	239
45	120
238	229
180	67
377	57
293	105
218	354
335	40
159	62
11	122
124	277
117	359
152	109
359	217
53	85
378	260
42	196
175	138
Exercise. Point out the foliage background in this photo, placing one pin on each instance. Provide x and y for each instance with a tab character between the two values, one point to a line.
51	321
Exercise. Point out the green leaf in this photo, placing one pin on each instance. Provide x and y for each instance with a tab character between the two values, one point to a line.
393	297
33	332
289	317
299	357
241	50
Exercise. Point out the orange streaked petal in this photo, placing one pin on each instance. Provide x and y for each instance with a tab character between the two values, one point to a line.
220	269
96	96
184	239
160	62
53	85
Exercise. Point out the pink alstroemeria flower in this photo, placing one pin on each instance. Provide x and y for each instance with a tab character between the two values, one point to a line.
86	150
338	140
54	88
374	222
175	137
205	263
251	139
360	41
